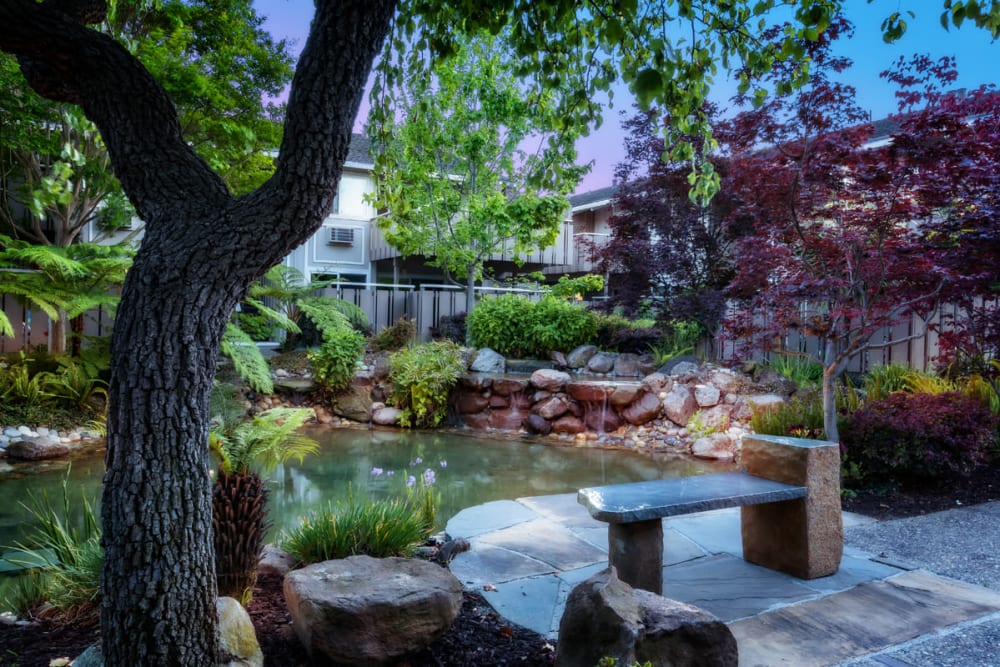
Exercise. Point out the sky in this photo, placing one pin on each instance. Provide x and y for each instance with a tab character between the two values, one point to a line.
976	56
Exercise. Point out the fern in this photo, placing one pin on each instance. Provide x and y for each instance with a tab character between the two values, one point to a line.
270	438
247	359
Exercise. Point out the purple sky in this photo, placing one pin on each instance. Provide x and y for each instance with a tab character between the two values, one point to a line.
975	53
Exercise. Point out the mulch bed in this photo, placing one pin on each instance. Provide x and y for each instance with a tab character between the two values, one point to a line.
479	637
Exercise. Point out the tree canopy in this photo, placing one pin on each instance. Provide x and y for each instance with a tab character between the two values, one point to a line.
475	166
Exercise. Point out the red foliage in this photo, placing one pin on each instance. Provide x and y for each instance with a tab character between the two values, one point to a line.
912	437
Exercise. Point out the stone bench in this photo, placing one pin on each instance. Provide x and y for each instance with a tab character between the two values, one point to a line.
788	492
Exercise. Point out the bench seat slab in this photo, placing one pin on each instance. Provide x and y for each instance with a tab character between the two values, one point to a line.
656	499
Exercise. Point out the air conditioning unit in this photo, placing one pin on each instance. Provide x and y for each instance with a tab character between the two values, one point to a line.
341	236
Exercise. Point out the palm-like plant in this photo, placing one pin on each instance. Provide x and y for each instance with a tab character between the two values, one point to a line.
239	494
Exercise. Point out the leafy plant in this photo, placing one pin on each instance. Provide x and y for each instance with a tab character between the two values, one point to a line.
678	337
502	323
422	377
556	324
19	385
573	288
882	380
377	528
909	437
247	359
70	582
75	383
450	327
395	336
799	418
239	495
804	372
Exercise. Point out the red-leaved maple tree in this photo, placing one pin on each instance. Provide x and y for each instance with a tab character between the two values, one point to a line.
852	236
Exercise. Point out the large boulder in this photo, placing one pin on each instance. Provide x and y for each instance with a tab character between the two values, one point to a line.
547	379
679	405
715	446
355	403
646	408
606	617
579	357
488	361
371	611
602	362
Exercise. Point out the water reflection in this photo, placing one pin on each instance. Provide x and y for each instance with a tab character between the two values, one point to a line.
474	470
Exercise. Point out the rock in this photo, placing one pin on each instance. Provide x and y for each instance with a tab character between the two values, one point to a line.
679	405
551	408
645	409
26	431
774	382
717	418
355	404
550	380
657	382
536	424
623	394
627	364
716	446
386	416
510	386
602	419
707	395
647	364
498	402
588	392
275	561
237	638
477	421
475	382
558	359
507	420
579	357
606	617
602	362
488	361
745	405
371	611
467	403
11	432
680	365
37	449
568	424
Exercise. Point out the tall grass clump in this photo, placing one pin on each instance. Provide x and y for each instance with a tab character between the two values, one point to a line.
798	418
804	372
73	556
377	528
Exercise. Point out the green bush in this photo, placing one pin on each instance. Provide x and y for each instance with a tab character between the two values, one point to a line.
906	438
422	377
557	324
336	360
395	336
517	327
374	528
798	418
502	323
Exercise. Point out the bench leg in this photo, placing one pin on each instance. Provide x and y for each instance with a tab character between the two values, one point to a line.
803	537
636	552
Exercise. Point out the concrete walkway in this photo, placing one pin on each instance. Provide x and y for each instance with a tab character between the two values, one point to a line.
921	592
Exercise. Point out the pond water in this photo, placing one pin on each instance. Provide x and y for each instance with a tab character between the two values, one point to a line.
468	470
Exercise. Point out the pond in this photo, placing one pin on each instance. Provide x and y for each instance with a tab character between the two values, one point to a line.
468	470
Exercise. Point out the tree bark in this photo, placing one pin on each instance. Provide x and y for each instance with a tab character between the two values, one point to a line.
201	251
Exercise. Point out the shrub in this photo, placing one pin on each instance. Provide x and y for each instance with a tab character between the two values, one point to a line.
556	324
336	360
450	327
379	529
636	341
395	336
798	418
422	377
502	323
515	326
803	371
912	437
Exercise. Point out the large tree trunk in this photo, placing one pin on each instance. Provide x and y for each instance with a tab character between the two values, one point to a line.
201	251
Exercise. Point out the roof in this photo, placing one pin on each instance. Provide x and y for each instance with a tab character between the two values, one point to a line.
359	151
593	198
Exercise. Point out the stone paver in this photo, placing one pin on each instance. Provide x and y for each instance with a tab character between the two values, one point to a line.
879	610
